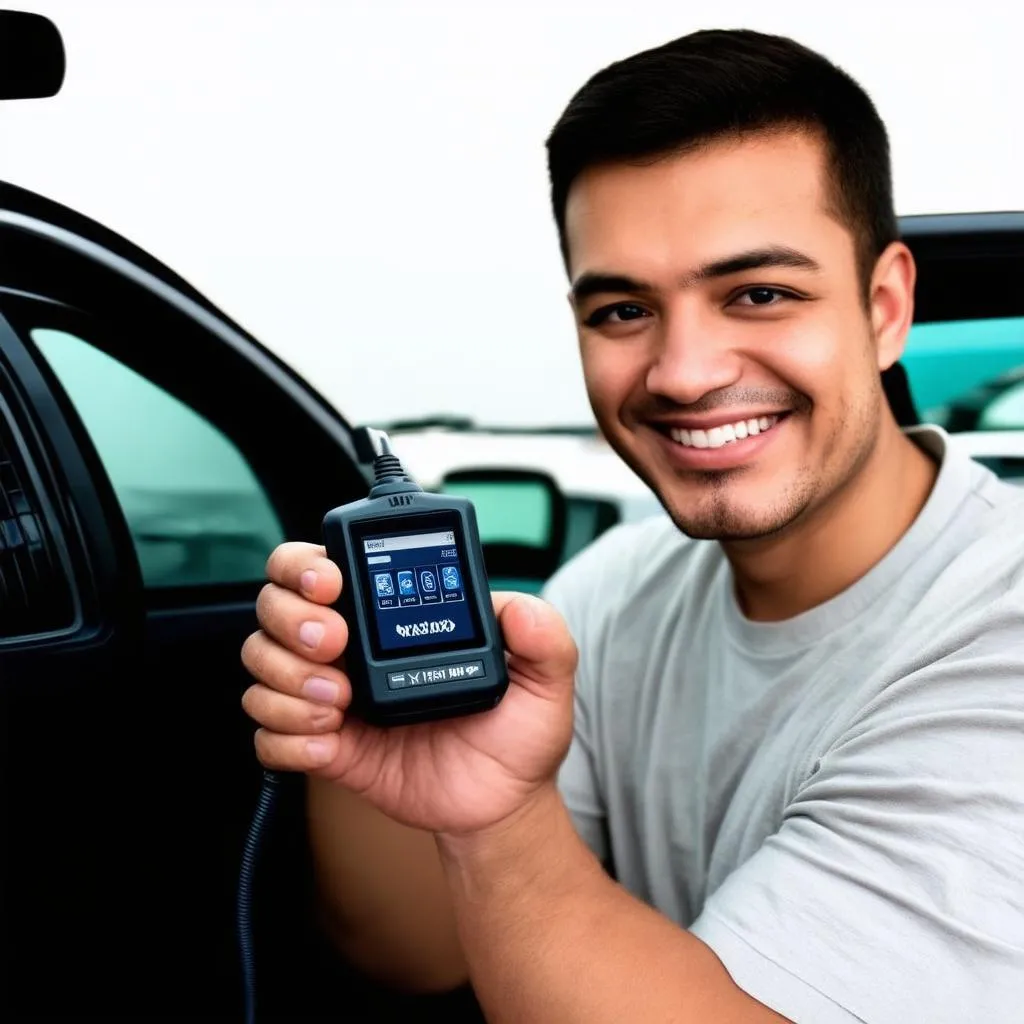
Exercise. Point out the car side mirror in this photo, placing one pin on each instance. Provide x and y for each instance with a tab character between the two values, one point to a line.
32	61
522	517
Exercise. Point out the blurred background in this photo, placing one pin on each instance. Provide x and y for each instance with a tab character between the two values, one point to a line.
362	184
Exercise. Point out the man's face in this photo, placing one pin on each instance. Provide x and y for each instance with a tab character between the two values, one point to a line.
727	351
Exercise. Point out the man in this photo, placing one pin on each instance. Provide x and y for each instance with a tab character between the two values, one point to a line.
798	739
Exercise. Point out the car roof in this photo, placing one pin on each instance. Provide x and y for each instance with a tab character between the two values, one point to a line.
968	265
30	204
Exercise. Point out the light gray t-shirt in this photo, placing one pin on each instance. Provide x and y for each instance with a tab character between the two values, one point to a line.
833	803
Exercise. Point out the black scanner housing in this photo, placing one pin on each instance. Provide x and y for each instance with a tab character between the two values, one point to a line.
390	510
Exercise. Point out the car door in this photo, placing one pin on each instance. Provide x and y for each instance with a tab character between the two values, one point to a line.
70	626
204	452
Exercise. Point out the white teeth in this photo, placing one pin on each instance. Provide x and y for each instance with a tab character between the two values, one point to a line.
728	433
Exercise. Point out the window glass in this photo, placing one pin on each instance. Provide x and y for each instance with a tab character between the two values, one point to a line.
946	362
196	511
507	511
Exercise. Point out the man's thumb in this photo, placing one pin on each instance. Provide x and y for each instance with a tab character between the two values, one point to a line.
536	637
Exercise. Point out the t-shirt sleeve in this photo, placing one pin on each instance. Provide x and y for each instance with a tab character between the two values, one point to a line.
894	889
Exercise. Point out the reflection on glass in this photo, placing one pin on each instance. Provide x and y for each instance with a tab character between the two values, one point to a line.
196	511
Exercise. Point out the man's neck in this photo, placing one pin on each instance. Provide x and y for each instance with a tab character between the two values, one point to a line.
829	550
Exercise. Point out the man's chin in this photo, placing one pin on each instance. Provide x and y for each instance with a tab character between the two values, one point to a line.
726	521
725	533
727	507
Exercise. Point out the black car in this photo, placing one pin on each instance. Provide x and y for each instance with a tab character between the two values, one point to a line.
152	453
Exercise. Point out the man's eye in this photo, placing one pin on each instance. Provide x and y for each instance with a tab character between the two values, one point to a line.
762	297
619	313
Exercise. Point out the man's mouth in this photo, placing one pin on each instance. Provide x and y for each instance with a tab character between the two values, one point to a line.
725	433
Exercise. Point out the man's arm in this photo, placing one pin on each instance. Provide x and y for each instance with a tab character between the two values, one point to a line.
549	937
383	899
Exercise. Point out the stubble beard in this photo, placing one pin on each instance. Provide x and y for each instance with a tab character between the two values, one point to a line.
717	514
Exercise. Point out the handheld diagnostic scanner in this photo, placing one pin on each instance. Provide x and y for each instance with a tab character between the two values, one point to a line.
424	642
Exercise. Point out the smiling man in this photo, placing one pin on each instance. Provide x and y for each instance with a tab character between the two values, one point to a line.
768	761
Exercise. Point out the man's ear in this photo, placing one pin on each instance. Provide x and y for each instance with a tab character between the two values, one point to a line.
891	302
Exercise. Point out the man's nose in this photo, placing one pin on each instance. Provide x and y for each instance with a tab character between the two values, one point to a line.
692	359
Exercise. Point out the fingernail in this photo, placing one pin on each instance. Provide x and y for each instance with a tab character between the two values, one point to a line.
532	606
319	750
322	690
308	581
311	633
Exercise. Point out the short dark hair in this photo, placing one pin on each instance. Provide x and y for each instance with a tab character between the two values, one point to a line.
718	83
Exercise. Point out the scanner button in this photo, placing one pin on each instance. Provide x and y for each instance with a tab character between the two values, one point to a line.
396	680
467	670
437	674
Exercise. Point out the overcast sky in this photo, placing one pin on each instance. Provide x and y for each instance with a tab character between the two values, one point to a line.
362	185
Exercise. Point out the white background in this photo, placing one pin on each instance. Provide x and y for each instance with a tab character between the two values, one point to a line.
362	185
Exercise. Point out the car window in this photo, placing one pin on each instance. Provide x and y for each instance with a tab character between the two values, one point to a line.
1005	409
948	362
508	513
196	510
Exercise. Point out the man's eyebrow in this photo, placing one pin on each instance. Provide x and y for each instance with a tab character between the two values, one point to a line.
753	259
598	283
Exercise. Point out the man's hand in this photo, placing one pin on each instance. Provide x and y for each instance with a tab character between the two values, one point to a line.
454	776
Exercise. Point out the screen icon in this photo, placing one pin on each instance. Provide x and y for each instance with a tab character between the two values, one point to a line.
430	589
406	584
385	585
450	578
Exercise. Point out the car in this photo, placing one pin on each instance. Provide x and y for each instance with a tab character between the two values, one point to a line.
152	453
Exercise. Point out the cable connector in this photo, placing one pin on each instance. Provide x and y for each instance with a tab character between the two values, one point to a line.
387	469
389	475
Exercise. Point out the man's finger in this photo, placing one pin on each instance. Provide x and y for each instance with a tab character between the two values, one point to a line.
289	715
282	670
536	638
308	629
306	570
295	753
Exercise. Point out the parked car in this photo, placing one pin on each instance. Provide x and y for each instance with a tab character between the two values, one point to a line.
152	453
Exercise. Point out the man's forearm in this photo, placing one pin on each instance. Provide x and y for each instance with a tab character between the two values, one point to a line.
550	938
382	897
